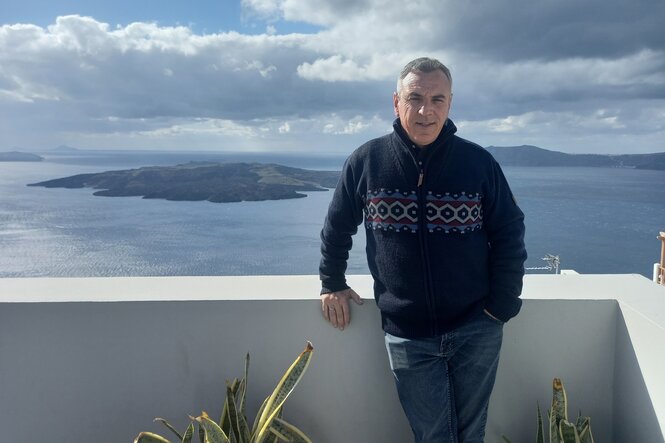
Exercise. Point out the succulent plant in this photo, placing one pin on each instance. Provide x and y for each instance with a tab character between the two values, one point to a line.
233	427
562	430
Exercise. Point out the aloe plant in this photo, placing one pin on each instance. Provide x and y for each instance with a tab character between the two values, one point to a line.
562	430
233	427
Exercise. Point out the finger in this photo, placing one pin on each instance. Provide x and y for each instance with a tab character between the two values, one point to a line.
332	313
346	313
339	311
324	309
356	298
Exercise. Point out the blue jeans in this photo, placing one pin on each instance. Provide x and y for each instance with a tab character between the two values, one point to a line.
444	383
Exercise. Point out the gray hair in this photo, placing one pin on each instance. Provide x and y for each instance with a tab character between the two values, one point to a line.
423	64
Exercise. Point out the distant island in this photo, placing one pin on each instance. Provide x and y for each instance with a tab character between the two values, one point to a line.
65	148
533	156
16	156
199	181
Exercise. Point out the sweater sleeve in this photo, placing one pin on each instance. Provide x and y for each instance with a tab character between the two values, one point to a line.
505	226
345	213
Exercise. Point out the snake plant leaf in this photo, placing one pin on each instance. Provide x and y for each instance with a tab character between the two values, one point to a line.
540	436
278	435
584	429
255	426
224	422
202	435
189	433
243	393
283	390
272	437
149	437
559	409
292	433
234	433
568	433
239	428
213	433
582	424
168	425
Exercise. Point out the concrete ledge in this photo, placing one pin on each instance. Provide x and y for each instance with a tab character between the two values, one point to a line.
97	359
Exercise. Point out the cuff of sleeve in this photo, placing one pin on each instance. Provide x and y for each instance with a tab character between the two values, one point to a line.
503	309
327	288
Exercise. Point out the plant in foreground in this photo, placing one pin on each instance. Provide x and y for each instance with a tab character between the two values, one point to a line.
233	427
561	430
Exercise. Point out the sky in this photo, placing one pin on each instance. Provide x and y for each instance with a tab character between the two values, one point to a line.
317	76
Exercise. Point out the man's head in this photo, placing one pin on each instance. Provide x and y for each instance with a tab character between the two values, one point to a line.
423	98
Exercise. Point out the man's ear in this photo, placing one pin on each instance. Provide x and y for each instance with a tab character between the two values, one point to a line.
395	103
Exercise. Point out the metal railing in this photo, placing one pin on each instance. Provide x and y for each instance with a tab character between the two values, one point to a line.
659	268
553	264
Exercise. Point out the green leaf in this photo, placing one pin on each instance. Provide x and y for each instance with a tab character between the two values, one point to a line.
224	422
239	431
202	434
559	409
189	433
568	432
283	390
258	416
168	425
277	435
540	436
213	433
584	429
149	437
292	434
243	393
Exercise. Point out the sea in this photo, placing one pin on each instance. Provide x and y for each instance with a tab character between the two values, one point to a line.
597	220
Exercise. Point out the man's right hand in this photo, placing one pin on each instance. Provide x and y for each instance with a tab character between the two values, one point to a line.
335	307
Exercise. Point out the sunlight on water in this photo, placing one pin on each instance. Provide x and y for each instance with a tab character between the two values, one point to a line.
597	220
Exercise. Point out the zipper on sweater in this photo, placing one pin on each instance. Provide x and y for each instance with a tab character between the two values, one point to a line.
424	250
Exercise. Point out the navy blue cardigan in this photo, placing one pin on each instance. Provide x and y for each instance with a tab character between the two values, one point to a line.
445	237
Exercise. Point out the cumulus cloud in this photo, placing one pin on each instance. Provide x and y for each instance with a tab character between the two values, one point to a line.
546	72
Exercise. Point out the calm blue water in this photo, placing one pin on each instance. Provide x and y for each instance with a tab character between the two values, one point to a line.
597	220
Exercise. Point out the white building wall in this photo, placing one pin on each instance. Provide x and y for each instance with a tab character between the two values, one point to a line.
78	367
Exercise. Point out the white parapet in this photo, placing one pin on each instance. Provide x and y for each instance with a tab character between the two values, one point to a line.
96	359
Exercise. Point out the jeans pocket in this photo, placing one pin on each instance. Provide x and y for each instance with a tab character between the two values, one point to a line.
492	319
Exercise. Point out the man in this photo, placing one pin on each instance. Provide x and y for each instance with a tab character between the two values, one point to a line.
445	246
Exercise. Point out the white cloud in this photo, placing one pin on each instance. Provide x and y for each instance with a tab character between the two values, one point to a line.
334	124
82	78
332	69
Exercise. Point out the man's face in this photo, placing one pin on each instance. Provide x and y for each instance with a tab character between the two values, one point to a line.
423	105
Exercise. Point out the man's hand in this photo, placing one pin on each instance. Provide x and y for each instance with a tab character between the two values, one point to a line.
335	307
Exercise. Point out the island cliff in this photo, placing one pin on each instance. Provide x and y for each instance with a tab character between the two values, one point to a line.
197	181
15	156
534	156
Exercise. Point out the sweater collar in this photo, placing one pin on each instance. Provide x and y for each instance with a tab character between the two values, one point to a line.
448	129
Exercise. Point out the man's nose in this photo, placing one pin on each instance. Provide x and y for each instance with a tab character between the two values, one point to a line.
425	109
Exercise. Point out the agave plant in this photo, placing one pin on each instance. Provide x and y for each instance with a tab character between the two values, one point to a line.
233	427
562	430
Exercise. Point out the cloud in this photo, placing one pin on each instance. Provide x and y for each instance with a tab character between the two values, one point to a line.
550	71
337	68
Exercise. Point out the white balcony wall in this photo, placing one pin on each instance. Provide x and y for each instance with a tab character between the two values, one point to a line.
97	359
